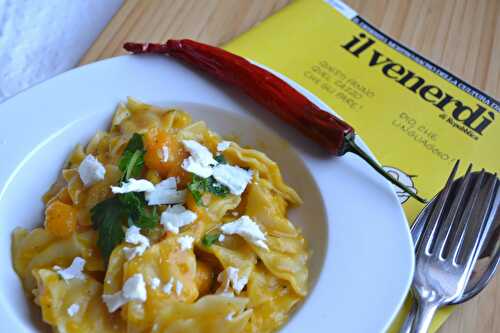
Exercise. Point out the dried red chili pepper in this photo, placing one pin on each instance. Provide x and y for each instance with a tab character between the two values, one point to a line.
273	93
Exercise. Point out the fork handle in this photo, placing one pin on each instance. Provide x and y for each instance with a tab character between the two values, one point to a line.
423	318
410	318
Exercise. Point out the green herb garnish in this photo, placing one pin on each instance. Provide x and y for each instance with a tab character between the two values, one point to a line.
220	158
209	239
200	185
137	211
132	161
109	216
196	195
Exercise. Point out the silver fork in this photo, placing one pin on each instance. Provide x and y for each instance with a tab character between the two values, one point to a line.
490	252
449	246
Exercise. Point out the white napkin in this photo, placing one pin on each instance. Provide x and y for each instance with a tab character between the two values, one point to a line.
39	39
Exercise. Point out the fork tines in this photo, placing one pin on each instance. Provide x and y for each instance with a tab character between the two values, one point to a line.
448	225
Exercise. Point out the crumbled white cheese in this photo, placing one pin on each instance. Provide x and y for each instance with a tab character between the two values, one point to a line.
176	217
114	301
167	289
191	165
134	289
91	170
169	183
134	185
165	154
223	145
73	309
186	242
234	177
237	283
74	271
230	316
221	238
229	294
155	283
201	160
165	193
228	277
178	287
134	236
171	284
199	152
246	228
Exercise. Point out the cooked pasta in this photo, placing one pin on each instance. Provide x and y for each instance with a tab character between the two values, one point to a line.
159	225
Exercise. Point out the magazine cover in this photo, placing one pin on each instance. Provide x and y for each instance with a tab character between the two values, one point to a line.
417	118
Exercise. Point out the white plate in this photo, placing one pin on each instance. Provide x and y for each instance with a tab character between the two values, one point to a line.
362	260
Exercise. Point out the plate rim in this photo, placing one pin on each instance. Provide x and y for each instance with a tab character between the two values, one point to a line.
311	96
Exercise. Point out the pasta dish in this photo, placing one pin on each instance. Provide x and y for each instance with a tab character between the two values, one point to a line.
160	225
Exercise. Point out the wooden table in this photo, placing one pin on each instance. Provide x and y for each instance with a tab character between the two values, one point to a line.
460	35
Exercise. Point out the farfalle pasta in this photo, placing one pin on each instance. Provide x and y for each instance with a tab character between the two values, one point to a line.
160	225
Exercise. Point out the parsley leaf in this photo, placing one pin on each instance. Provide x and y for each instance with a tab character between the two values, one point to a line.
209	239
200	185
196	195
132	161
196	187
135	205
135	143
217	188
220	158
107	217
148	219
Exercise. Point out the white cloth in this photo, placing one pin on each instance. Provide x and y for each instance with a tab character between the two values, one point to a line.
39	39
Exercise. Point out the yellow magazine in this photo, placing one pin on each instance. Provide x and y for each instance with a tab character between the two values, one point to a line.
416	117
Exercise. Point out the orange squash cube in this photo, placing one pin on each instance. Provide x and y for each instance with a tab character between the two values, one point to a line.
60	219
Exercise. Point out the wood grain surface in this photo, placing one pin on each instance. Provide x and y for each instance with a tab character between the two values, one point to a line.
462	36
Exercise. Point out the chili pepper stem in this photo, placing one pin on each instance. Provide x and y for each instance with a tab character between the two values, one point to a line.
352	146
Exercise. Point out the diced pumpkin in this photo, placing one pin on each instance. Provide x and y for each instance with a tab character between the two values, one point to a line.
191	203
60	219
183	177
154	141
